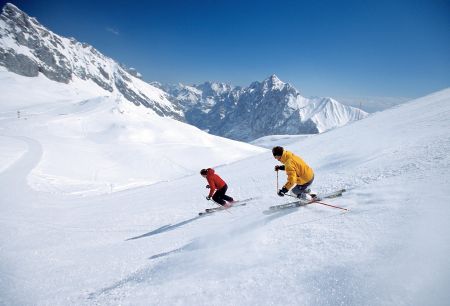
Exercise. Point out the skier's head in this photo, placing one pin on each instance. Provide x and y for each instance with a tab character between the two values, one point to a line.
277	152
203	172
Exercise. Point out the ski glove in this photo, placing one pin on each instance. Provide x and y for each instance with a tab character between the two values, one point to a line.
208	198
279	167
282	191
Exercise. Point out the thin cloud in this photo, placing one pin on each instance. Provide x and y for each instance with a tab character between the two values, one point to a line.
114	31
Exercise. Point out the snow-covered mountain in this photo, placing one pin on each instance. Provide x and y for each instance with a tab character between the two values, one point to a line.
264	108
28	48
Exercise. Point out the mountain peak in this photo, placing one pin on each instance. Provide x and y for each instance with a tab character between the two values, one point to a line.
12	11
13	15
274	82
274	78
11	7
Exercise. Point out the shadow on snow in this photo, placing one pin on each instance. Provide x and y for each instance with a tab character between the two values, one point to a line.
165	228
205	242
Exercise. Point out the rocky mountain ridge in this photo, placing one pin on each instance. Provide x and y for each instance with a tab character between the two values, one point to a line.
263	108
28	48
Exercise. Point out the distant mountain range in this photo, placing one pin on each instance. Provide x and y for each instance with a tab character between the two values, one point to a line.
263	108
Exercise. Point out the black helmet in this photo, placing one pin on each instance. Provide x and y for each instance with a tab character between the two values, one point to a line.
203	172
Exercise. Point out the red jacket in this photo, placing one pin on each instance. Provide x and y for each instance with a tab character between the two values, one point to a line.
215	182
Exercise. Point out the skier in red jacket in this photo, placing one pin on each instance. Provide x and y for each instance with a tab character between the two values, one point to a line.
217	188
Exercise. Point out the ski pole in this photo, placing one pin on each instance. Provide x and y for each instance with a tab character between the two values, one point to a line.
319	202
277	182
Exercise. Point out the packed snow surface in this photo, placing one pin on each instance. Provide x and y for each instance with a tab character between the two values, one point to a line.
278	140
96	144
99	206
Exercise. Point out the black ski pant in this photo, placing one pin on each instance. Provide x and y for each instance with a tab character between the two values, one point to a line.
299	189
220	196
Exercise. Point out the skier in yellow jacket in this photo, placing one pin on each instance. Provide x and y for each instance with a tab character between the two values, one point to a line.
298	172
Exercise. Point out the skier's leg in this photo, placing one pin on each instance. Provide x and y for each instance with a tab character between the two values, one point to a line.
228	198
298	191
218	196
301	191
225	197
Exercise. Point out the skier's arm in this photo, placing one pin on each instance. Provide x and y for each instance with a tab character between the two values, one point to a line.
212	186
292	177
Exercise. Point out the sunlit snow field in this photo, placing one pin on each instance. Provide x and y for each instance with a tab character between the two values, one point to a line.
99	205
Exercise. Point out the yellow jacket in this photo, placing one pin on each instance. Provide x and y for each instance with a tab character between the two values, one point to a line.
297	170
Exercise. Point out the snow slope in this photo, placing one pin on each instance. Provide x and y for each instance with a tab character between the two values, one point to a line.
146	245
20	93
278	140
95	144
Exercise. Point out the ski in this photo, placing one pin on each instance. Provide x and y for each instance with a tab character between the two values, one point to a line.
331	195
215	209
299	203
212	210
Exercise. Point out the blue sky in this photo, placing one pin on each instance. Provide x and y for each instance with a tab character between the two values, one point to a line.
324	48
